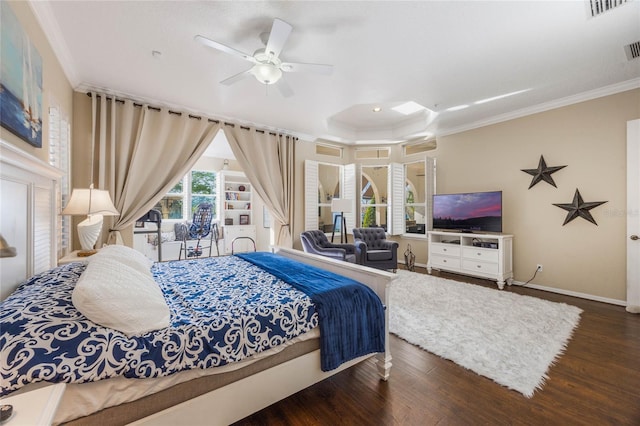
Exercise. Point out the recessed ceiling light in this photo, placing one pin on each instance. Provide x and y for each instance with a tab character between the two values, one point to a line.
408	108
457	108
377	109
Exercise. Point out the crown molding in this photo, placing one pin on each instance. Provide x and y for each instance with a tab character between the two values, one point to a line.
45	17
558	103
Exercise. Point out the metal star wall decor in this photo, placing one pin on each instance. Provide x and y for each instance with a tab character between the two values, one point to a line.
543	172
578	208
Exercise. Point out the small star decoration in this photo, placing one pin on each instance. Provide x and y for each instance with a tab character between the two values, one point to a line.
579	208
542	173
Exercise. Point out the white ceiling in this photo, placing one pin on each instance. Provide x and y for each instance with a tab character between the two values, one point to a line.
440	54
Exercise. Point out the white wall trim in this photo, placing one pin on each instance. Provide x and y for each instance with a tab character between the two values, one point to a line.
572	293
19	158
558	103
556	290
45	17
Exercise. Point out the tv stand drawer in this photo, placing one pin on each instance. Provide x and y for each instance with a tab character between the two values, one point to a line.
446	249
480	267
485	255
445	262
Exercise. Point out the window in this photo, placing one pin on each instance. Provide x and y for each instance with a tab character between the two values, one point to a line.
415	198
328	149
374	196
203	189
322	183
196	187
419	148
172	205
329	183
394	196
59	134
372	153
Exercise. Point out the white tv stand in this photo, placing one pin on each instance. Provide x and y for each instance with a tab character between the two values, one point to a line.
479	255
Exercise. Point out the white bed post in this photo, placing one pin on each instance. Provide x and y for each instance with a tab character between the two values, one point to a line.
383	359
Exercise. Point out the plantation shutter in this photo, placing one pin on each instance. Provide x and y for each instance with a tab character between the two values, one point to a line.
310	195
59	154
430	176
395	209
349	192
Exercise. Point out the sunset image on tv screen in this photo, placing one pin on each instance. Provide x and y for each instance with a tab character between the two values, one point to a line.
478	211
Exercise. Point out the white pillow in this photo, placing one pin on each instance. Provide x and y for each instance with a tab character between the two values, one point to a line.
115	295
125	255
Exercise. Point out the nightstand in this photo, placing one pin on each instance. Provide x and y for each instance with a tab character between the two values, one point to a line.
36	407
72	257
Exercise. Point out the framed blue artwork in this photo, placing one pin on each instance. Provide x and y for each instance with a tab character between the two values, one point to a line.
20	80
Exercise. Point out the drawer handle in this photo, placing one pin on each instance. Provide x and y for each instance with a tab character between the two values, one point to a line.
479	266
444	261
444	249
479	254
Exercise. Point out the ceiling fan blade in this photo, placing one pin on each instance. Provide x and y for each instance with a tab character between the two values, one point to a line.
235	78
284	88
298	67
224	48
278	37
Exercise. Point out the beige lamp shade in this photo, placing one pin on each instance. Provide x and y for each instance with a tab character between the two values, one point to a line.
90	201
341	205
94	203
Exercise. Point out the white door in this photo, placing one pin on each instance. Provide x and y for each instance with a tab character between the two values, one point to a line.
633	216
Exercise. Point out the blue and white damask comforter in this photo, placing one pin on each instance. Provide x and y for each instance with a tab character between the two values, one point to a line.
222	310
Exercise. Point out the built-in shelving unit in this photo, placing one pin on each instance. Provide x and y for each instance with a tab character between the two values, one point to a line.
236	212
479	255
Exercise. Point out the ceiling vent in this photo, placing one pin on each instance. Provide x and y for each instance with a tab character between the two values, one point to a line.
598	7
632	50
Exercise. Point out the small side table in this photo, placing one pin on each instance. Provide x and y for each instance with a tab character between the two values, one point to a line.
72	257
36	407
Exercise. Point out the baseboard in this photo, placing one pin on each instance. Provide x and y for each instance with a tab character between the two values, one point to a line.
559	291
419	265
573	293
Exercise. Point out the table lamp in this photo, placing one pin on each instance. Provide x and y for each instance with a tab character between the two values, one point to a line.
94	203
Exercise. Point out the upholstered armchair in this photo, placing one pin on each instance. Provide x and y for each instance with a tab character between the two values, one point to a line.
373	249
317	242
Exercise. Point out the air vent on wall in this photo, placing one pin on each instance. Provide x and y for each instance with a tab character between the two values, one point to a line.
598	7
632	50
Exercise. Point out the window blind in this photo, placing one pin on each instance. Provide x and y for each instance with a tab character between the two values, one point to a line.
59	153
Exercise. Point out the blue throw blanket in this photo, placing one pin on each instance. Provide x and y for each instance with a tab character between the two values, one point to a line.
350	314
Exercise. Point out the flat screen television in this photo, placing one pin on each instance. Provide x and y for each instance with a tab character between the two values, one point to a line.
468	212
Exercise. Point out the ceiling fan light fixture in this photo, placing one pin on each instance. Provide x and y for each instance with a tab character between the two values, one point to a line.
267	73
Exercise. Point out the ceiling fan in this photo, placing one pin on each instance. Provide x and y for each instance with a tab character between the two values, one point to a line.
267	66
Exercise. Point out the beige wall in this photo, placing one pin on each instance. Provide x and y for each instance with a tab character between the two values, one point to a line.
590	139
56	88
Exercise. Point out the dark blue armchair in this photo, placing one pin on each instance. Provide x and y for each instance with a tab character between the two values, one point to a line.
316	242
373	248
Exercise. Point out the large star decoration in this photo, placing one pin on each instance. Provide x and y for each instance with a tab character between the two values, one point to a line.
578	208
542	173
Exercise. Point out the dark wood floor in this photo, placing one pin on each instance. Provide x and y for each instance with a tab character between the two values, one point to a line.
595	382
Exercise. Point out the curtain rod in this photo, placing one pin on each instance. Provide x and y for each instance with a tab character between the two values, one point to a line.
195	117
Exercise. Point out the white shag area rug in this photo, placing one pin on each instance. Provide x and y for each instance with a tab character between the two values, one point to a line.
509	338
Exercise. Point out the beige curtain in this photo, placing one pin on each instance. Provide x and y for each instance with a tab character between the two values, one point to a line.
268	161
141	153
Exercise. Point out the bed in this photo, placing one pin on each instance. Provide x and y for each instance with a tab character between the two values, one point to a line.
131	383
